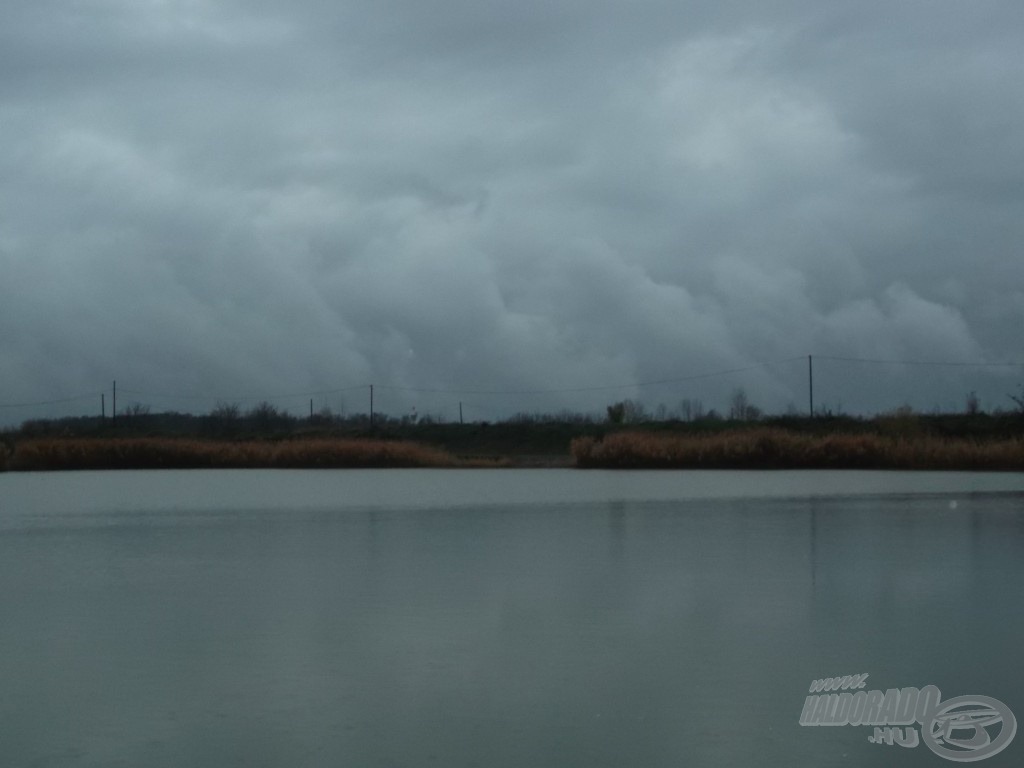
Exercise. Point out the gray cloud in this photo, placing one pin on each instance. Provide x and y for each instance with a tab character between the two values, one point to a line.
225	199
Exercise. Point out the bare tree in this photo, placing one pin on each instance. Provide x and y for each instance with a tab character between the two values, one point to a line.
741	409
1019	400
691	410
973	404
265	417
617	413
635	411
627	412
226	411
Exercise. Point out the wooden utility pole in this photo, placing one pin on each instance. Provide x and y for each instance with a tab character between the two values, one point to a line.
371	405
311	409
810	383
460	412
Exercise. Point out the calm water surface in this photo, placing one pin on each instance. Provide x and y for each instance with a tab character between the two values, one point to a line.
494	618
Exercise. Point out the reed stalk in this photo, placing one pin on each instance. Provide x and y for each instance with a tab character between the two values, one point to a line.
165	453
768	448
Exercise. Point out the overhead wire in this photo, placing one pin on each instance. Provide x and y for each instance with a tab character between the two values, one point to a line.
522	392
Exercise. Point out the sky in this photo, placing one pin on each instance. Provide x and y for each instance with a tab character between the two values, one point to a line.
523	207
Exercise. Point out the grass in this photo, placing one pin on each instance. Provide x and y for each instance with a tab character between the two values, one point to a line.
762	447
168	453
769	448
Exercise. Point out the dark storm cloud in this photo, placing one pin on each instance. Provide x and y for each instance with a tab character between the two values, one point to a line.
225	199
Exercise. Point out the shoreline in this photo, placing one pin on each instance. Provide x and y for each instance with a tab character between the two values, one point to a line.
757	448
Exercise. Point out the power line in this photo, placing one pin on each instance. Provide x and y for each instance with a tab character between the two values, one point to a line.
287	396
939	363
602	388
425	390
51	402
526	392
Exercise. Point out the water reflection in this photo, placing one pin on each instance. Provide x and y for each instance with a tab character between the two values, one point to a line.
814	544
616	529
615	632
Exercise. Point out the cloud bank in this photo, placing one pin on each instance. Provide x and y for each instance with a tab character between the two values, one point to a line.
454	199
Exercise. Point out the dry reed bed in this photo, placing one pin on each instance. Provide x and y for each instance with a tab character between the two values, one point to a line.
163	453
777	449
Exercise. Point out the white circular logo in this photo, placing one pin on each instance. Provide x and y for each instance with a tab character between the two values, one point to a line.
968	728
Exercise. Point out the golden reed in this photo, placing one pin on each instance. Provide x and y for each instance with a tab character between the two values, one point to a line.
768	448
166	453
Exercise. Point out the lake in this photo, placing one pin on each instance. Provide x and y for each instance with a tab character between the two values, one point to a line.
500	617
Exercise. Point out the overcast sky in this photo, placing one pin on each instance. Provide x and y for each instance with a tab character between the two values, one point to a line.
221	199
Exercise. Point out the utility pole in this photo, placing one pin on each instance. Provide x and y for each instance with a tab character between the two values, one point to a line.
113	406
371	405
810	383
103	405
311	409
460	412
